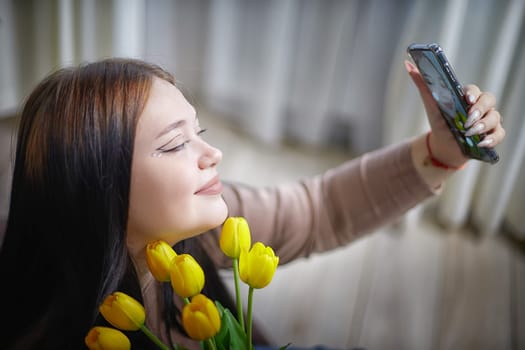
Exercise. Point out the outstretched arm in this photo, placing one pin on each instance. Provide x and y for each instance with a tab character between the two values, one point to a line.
329	210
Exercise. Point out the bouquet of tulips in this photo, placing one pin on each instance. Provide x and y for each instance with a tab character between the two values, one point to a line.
202	319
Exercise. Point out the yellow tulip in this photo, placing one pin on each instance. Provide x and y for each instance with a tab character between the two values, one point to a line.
123	312
187	276
159	256
105	338
200	318
235	236
258	265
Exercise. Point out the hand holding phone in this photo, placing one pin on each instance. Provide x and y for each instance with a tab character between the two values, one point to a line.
448	94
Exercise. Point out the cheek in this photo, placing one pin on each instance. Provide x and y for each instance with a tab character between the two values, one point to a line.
158	199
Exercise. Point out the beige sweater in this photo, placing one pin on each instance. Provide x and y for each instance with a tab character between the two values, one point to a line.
314	215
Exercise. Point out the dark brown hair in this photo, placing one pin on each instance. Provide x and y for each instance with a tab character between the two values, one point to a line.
64	248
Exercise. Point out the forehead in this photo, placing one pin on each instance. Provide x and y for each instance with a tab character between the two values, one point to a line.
165	105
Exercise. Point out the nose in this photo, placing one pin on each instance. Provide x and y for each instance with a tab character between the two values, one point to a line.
211	156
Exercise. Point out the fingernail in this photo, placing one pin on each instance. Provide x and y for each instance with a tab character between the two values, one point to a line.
409	67
486	142
471	98
476	129
472	118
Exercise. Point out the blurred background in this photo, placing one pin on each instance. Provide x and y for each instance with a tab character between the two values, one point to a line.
290	88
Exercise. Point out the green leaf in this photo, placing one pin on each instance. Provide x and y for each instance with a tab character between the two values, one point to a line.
284	347
221	338
231	335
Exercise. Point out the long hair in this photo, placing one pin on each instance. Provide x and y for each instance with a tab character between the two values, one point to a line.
65	242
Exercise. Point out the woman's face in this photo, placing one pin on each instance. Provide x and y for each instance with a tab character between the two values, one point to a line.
175	189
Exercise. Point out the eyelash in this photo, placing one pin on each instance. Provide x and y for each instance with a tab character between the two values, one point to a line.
181	146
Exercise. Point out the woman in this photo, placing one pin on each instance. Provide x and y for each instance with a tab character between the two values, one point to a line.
110	157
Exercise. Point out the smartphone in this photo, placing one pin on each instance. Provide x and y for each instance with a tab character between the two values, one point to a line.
448	93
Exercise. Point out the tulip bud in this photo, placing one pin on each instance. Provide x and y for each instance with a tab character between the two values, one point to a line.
159	256
187	276
235	236
258	265
105	338
123	312
200	318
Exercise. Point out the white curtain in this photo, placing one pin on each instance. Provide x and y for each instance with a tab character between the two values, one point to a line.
318	71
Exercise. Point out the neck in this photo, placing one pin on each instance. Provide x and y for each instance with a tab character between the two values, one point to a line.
138	257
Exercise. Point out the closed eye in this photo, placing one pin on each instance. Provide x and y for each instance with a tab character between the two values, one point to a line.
180	146
177	148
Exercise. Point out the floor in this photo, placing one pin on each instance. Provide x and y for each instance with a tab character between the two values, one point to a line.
408	286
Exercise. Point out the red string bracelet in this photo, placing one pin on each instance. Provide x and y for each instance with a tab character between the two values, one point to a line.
437	163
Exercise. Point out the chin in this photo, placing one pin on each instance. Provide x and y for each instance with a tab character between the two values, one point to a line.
219	216
212	217
215	216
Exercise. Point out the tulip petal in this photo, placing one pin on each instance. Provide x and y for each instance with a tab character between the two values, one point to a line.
104	338
235	236
200	318
159	256
187	276
204	331
244	234
123	312
257	266
213	316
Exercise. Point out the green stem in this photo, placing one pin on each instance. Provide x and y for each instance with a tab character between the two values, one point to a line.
250	303
211	344
240	315
186	301
153	338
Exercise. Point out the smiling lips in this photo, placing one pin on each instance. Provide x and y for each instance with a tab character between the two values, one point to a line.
212	187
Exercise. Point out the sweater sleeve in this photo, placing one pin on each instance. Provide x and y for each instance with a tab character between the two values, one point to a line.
330	210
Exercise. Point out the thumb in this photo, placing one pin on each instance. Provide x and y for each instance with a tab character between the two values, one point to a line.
426	95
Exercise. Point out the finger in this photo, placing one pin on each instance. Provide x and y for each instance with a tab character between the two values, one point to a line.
485	124
472	93
492	139
485	102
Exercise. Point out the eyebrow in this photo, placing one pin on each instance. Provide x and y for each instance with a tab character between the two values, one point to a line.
170	127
